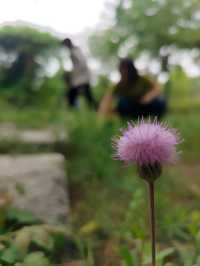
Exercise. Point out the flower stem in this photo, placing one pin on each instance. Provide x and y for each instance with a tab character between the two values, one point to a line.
152	222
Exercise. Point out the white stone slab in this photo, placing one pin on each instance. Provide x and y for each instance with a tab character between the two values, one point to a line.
9	132
42	182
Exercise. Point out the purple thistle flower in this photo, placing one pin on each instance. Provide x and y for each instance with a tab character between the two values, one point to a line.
147	144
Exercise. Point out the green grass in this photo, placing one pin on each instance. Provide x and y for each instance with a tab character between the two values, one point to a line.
113	197
33	117
189	128
109	202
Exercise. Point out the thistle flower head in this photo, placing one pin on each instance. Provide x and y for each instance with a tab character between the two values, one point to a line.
147	144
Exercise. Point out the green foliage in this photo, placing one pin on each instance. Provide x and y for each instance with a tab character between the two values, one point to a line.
25	241
102	85
14	38
26	54
43	245
187	124
32	117
121	198
128	257
51	93
19	217
179	85
91	147
9	256
182	92
104	47
148	26
118	193
131	258
36	258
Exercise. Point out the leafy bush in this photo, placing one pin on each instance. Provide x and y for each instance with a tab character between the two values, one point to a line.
26	53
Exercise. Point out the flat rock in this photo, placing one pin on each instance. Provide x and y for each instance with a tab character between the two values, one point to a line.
9	132
36	183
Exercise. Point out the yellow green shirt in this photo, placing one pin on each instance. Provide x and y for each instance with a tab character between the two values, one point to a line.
135	91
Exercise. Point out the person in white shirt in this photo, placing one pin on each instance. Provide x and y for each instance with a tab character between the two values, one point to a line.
79	78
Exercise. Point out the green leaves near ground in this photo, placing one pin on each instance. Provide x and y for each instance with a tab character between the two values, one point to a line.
98	180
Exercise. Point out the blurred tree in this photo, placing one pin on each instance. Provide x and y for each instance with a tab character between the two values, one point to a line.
103	83
158	27
179	84
24	54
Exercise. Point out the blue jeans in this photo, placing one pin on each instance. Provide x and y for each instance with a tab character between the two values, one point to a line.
128	108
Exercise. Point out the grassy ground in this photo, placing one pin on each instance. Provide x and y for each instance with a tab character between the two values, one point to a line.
32	117
109	204
109	201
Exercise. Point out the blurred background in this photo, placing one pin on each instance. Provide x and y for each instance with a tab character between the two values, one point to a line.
96	208
160	36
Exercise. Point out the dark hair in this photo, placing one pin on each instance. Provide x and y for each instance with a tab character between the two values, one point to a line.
132	71
67	42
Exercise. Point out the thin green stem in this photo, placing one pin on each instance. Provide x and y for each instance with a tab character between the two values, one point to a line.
152	221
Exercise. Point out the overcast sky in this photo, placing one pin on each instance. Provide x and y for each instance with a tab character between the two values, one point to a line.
64	16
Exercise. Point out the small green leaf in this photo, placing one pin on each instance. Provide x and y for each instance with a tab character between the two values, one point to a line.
10	255
127	256
36	259
42	239
161	255
21	217
22	239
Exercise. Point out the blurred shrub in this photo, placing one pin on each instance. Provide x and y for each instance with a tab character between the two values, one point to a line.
51	92
26	241
103	84
25	56
44	245
91	147
182	91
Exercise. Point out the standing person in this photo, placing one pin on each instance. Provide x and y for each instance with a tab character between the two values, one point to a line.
134	95
79	77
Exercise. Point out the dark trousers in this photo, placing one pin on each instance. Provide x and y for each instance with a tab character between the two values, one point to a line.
84	90
127	108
